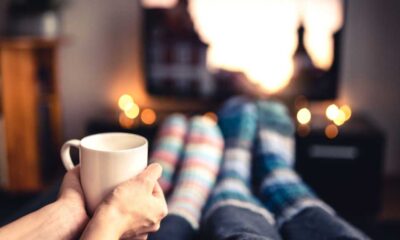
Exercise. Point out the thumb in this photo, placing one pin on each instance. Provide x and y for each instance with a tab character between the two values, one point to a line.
151	174
157	191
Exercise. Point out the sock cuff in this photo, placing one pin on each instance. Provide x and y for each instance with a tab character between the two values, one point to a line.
274	115
201	160
280	176
276	144
174	124
241	204
299	206
237	153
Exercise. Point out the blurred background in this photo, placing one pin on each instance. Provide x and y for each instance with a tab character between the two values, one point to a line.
71	68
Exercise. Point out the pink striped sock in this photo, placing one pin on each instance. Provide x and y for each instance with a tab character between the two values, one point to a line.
200	168
168	148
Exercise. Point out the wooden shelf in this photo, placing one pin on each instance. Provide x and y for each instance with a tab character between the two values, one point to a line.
30	42
30	109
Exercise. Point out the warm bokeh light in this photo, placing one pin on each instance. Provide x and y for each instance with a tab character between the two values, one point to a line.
331	131
340	119
332	112
347	111
212	116
125	102
304	116
259	37
300	102
303	130
338	115
148	116
132	112
124	121
159	3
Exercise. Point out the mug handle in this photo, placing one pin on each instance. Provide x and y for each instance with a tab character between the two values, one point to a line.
65	154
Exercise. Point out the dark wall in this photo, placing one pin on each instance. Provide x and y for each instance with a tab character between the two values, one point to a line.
3	5
371	69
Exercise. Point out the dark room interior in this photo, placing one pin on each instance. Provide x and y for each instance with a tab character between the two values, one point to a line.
70	68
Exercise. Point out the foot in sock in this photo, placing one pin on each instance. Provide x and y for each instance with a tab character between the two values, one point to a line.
237	120
168	148
200	166
281	190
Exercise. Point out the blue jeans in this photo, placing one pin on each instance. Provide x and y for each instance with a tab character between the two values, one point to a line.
233	223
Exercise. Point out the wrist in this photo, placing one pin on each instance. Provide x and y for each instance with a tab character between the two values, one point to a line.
106	223
74	217
109	215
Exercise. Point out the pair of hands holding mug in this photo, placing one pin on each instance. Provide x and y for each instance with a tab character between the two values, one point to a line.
132	210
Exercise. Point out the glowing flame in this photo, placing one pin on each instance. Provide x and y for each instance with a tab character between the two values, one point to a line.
159	3
258	37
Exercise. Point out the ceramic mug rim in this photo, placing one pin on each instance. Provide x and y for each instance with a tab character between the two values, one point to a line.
84	142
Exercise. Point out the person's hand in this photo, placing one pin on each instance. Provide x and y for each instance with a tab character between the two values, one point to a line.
133	209
72	202
63	219
71	192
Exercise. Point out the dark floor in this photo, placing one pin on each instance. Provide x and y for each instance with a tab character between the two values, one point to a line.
15	205
386	226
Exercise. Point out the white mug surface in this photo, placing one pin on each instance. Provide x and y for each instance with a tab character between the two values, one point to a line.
106	160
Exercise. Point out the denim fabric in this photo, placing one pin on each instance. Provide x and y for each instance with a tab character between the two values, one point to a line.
234	223
315	223
174	227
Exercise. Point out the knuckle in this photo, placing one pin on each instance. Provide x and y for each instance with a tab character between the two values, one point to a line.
146	181
155	227
157	167
142	237
118	192
153	222
164	212
150	222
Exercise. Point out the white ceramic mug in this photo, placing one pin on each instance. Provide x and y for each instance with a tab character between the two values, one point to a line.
106	159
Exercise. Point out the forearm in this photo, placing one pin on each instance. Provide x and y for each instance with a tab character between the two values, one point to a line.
106	224
98	231
49	222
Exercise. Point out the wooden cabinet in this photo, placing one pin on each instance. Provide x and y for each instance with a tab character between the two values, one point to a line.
31	111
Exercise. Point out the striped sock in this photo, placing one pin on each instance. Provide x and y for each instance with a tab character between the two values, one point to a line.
282	191
168	148
201	162
237	120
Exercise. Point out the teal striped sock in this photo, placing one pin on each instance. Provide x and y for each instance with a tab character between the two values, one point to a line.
168	148
281	190
237	120
200	166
